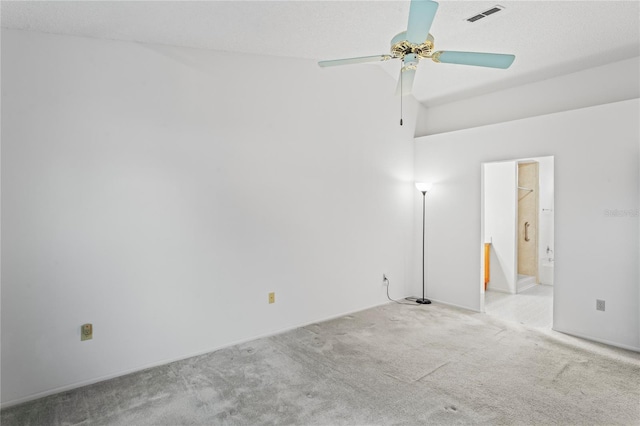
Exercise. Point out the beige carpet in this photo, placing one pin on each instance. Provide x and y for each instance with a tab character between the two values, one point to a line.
395	364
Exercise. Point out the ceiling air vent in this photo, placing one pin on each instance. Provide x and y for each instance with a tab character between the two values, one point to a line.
478	16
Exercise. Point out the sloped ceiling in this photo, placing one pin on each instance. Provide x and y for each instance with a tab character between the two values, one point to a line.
549	38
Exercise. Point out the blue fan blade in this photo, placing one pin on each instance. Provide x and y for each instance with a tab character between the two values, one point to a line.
491	60
407	78
421	14
359	60
407	75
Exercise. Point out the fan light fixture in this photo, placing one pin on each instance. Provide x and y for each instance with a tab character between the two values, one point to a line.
416	43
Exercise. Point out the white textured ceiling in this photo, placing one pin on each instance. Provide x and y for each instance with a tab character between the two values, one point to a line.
548	37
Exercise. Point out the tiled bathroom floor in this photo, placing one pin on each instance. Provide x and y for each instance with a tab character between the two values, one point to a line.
532	307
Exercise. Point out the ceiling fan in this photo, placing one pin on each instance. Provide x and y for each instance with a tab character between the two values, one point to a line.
416	43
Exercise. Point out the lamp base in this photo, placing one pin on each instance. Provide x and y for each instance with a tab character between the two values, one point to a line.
423	301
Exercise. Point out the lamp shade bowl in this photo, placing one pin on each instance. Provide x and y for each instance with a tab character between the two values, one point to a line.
424	186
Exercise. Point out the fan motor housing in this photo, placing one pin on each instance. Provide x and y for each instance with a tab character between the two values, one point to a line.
400	46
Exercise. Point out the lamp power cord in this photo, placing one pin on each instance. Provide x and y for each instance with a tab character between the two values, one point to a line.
388	283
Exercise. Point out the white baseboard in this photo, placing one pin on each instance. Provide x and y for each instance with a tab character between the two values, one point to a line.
527	287
499	290
598	340
466	308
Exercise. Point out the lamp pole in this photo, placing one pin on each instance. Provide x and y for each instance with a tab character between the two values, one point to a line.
424	188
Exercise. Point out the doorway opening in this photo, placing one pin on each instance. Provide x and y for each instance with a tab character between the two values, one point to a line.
518	240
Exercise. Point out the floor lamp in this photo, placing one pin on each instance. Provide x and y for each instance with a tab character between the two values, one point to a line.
423	187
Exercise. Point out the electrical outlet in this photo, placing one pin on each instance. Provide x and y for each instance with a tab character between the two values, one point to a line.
272	297
86	332
385	280
599	305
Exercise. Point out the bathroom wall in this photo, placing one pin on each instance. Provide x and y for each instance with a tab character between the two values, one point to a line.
500	223
528	218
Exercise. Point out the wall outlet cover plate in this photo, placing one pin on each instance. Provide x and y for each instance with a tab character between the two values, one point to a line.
86	332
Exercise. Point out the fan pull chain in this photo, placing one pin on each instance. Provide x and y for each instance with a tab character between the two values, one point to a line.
401	91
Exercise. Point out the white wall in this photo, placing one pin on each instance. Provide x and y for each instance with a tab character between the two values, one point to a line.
596	170
546	216
613	82
500	180
160	194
